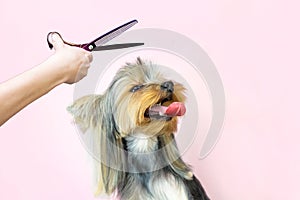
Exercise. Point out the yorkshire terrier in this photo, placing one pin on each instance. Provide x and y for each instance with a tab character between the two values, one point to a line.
133	125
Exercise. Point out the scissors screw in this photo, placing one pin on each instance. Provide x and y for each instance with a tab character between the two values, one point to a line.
91	47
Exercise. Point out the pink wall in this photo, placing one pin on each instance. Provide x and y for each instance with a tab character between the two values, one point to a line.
254	45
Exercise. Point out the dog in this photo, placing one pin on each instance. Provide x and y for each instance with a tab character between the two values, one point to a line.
133	125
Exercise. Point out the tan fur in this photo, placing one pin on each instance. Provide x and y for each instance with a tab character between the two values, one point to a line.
119	113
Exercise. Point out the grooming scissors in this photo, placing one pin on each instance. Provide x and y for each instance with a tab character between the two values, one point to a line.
97	44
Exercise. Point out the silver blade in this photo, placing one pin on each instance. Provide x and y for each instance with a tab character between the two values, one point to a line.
114	33
117	46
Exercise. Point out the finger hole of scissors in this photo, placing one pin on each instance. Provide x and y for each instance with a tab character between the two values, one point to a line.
50	38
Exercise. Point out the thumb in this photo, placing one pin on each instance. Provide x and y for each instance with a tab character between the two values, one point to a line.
57	41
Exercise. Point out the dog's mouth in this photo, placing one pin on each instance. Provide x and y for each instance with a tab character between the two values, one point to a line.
165	109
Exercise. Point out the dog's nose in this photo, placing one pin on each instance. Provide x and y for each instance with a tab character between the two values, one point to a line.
167	86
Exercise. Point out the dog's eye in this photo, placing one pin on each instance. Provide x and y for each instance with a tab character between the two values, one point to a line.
135	88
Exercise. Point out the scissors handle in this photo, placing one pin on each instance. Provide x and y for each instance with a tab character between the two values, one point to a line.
84	46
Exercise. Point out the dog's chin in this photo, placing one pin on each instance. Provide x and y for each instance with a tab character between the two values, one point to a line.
160	118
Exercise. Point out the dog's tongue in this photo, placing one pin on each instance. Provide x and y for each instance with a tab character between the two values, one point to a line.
174	109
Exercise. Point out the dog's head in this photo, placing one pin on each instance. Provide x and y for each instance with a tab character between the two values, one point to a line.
144	101
139	100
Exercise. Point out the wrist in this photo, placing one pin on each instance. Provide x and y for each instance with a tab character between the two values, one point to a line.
56	69
53	71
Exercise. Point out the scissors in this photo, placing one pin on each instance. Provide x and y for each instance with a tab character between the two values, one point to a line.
97	44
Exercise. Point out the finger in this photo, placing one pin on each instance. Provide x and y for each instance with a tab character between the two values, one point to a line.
83	73
89	56
57	42
86	66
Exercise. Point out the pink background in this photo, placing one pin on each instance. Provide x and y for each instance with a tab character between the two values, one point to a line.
254	45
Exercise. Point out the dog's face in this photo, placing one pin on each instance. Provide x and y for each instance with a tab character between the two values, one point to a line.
145	102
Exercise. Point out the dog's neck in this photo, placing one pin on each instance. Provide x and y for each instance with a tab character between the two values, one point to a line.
141	143
146	164
142	156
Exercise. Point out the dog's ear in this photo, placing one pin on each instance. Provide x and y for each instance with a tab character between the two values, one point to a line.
94	115
85	112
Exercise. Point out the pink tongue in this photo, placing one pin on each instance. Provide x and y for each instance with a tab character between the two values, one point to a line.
176	109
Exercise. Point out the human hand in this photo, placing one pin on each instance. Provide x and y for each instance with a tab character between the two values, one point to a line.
71	62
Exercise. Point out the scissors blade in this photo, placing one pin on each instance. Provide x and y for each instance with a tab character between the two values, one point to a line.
109	35
117	46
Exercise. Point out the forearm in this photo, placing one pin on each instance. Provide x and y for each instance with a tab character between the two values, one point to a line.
67	65
20	91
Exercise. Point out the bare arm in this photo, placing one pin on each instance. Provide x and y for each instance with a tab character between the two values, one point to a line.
67	65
